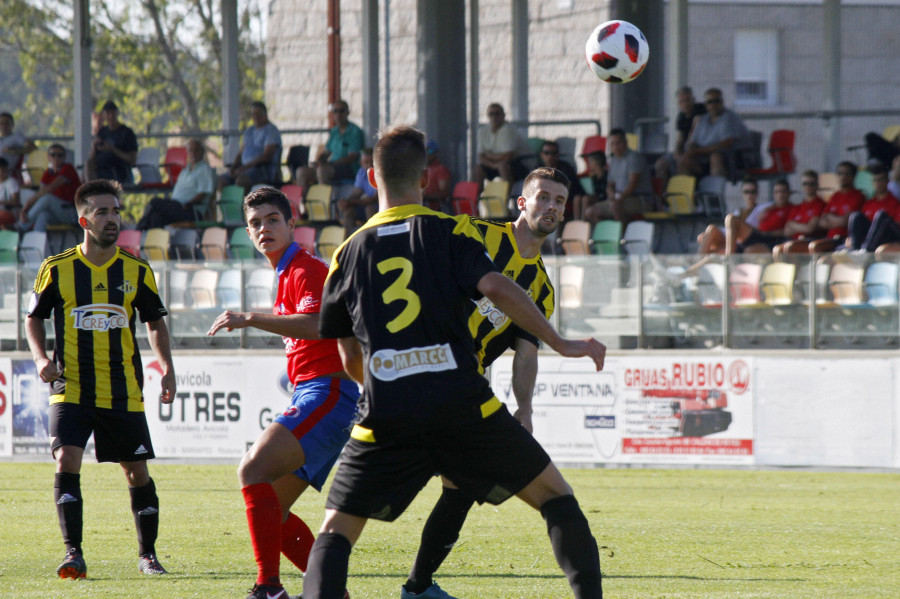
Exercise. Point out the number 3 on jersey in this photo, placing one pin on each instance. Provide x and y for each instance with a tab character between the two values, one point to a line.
398	291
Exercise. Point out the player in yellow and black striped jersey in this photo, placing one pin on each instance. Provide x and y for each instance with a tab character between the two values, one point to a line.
515	249
94	292
395	299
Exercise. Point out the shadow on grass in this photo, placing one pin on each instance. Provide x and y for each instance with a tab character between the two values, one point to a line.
605	577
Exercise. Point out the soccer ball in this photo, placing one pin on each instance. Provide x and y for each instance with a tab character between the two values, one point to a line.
617	51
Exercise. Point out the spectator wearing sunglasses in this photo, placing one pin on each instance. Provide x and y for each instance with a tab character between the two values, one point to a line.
716	140
54	201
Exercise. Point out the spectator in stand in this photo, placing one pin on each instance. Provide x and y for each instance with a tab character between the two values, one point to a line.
741	237
716	140
836	216
688	110
54	201
259	158
499	147
894	182
339	159
9	196
629	180
861	222
596	170
550	158
194	185
882	152
114	149
13	146
362	202
803	221
436	194
712	239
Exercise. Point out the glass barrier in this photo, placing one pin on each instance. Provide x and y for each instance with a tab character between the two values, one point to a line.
640	301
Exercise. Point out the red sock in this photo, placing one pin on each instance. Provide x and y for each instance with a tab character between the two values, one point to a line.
296	541
264	520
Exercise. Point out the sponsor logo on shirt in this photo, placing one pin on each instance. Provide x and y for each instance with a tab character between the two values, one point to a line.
391	364
99	317
491	312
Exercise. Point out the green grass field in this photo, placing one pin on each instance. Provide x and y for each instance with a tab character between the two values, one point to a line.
663	533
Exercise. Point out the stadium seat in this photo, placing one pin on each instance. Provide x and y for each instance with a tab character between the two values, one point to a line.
202	289
492	203
35	165
156	244
330	238
241	245
9	245
711	195
575	238
306	238
183	243
743	284
229	289
606	238
174	162
130	241
213	243
464	197
33	248
294	194
638	238
318	203
260	290
679	197
828	184
147	167
781	152
863	182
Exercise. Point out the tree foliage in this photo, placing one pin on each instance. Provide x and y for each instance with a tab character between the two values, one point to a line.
159	60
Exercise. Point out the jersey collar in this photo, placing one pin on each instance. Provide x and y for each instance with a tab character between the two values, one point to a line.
286	258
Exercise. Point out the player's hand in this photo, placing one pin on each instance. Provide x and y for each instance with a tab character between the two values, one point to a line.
524	418
48	370
168	388
229	321
577	348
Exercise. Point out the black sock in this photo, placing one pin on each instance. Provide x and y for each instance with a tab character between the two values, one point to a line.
438	537
145	507
69	508
326	574
574	546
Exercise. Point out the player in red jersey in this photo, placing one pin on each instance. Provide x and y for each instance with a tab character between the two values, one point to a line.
770	230
837	211
803	221
301	445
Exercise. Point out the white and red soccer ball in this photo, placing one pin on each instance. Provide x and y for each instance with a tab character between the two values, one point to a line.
617	51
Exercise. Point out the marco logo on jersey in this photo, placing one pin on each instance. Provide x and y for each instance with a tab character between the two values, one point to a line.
99	317
391	364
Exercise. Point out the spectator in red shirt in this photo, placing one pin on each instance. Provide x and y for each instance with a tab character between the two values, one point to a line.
882	207
437	194
834	219
769	232
803	221
54	201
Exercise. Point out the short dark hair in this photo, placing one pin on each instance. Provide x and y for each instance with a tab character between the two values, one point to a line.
783	182
847	164
617	131
600	157
751	180
97	187
810	173
258	104
267	195
56	146
544	173
549	142
3	114
879	170
400	157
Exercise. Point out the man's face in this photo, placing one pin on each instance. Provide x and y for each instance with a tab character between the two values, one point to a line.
845	176
685	103
595	167
341	113
714	104
879	182
544	205
749	192
6	125
103	219
496	116
110	117
550	155
365	161
616	145
57	156
268	230
258	116
194	152
810	186
782	195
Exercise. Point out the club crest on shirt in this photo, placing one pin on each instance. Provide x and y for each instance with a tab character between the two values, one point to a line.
127	287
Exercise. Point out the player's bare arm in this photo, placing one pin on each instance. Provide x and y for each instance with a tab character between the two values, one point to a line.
516	304
295	326
37	343
158	336
524	373
352	358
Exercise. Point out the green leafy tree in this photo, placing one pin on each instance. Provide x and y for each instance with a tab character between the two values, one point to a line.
159	60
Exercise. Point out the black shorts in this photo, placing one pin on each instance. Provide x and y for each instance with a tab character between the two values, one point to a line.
119	436
756	237
491	459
